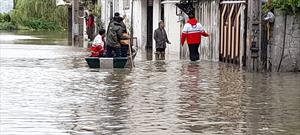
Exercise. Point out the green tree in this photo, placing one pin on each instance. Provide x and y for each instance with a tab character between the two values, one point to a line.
288	6
40	14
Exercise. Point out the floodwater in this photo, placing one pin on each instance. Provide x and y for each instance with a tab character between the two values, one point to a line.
47	89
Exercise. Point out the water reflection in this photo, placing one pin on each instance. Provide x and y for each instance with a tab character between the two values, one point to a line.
189	101
230	101
33	37
273	105
116	105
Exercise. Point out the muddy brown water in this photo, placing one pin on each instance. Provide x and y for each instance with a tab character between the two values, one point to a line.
47	89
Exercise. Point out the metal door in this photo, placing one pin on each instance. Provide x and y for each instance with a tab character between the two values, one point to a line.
232	31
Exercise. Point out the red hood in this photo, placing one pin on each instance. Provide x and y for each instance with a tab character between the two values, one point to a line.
192	21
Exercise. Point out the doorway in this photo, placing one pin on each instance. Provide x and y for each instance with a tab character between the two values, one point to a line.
149	24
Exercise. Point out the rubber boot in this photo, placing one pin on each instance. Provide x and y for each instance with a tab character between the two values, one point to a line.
162	56
157	55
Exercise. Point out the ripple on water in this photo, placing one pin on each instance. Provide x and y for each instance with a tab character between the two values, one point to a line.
59	95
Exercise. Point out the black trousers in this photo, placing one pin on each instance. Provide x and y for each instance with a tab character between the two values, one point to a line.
113	52
160	53
124	50
194	52
162	50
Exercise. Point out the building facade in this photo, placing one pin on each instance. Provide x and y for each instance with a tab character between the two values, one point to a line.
146	15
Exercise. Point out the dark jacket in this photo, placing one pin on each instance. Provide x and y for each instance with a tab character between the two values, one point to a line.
161	38
115	34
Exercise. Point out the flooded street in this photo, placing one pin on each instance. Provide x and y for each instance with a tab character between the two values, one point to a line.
46	88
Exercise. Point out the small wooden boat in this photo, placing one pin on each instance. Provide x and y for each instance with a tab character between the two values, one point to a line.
102	62
107	63
115	62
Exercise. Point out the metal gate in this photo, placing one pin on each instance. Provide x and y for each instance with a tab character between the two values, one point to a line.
232	32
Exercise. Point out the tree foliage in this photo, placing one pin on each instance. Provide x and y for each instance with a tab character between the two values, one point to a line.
40	14
288	6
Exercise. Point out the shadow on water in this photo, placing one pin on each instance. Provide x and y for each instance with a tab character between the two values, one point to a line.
48	89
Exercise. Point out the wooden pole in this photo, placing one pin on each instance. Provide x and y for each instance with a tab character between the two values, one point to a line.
131	36
260	62
253	34
249	35
75	23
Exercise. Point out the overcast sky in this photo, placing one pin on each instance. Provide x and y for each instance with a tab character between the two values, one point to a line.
6	6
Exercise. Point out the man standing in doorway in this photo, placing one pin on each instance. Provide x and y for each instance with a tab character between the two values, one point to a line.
161	38
193	31
90	26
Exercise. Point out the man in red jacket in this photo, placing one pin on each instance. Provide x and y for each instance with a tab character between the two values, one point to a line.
193	31
90	25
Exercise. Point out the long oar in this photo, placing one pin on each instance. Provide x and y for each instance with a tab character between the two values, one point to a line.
130	55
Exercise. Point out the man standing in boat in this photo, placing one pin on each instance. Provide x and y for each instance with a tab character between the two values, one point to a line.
115	33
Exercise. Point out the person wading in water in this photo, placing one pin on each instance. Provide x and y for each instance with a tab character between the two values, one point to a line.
192	31
161	38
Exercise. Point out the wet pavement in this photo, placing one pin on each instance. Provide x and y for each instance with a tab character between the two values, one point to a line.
49	90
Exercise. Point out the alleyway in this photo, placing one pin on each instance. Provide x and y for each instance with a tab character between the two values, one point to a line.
48	89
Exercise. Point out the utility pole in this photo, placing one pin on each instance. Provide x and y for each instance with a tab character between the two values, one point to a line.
253	61
75	24
131	24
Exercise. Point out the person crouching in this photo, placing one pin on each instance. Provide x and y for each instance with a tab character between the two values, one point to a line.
97	49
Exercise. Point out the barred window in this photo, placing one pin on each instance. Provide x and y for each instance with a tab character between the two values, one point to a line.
126	4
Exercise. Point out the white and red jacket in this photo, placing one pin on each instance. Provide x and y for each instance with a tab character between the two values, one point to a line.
192	31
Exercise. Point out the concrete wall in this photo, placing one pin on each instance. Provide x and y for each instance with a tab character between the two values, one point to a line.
207	12
173	29
140	22
291	55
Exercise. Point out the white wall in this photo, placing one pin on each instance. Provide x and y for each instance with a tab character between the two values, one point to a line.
140	22
173	29
103	11
207	14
